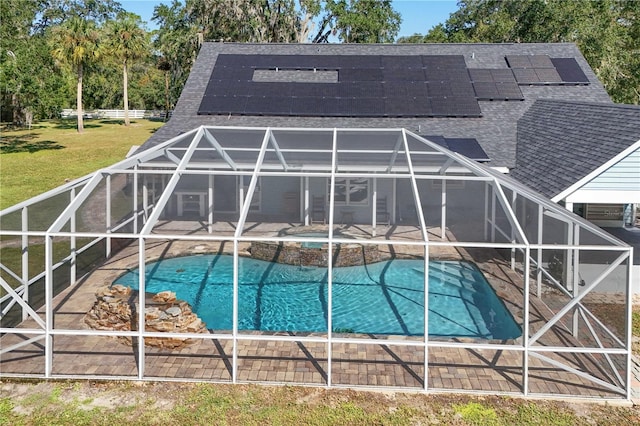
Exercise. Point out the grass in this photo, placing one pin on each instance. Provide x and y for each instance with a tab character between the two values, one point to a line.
37	160
98	403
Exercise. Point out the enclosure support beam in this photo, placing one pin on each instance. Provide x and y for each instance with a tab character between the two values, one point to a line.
305	206
514	200
539	251
426	317
486	211
374	207
629	334
210	190
234	331
526	319
73	261
135	199
575	279
332	190
443	214
145	198
142	290
108	215
493	213
394	201
48	306
25	260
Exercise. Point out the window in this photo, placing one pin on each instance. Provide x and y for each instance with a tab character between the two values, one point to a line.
350	191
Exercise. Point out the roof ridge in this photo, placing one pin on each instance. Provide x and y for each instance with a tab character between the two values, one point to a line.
585	103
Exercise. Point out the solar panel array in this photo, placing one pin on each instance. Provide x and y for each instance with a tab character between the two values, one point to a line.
367	86
540	69
495	84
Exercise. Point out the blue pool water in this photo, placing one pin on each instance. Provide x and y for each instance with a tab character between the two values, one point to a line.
381	298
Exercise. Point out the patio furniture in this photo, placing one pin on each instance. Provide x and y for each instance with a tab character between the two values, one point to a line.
318	211
382	215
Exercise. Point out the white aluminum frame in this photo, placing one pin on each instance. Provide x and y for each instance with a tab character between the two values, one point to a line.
174	160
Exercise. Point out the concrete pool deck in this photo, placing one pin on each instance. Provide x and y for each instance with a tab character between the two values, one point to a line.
381	365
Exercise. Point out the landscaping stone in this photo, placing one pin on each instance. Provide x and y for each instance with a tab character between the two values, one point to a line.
115	310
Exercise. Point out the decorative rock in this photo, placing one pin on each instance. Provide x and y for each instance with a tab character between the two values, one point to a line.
113	311
174	311
164	297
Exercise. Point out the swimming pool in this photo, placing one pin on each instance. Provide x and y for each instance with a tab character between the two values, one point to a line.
382	298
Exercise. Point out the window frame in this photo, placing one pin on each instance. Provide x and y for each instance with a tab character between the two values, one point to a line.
349	183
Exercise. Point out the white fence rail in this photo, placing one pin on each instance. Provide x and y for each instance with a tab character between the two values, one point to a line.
113	113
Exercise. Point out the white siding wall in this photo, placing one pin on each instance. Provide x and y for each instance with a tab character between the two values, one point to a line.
622	176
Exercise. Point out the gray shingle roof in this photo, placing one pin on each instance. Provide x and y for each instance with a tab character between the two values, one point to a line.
560	142
495	130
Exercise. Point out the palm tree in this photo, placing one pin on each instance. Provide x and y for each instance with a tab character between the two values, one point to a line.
126	41
76	44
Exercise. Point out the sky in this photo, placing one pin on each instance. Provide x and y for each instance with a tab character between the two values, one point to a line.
418	16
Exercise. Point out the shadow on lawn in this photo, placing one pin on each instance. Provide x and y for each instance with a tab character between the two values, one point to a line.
73	125
25	143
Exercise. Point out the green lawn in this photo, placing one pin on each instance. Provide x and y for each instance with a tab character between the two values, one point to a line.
111	403
37	160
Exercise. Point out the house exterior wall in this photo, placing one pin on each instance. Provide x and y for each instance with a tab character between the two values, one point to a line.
623	176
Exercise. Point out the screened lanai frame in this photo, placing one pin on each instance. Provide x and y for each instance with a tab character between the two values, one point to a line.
512	220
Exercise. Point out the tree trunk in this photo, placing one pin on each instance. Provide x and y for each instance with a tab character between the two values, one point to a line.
125	93
79	100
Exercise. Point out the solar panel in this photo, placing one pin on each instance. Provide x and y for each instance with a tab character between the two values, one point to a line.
469	147
310	106
548	75
518	61
401	61
232	73
403	74
263	105
526	76
278	89
439	88
216	104
480	75
569	70
415	89
462	88
509	91
502	75
486	90
360	74
396	89
540	61
407	107
313	89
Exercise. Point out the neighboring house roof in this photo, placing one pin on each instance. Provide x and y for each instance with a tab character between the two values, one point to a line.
562	142
495	130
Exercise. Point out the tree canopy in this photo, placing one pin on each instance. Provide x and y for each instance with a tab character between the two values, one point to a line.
607	32
32	82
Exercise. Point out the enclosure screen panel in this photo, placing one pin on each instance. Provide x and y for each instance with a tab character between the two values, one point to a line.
340	86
